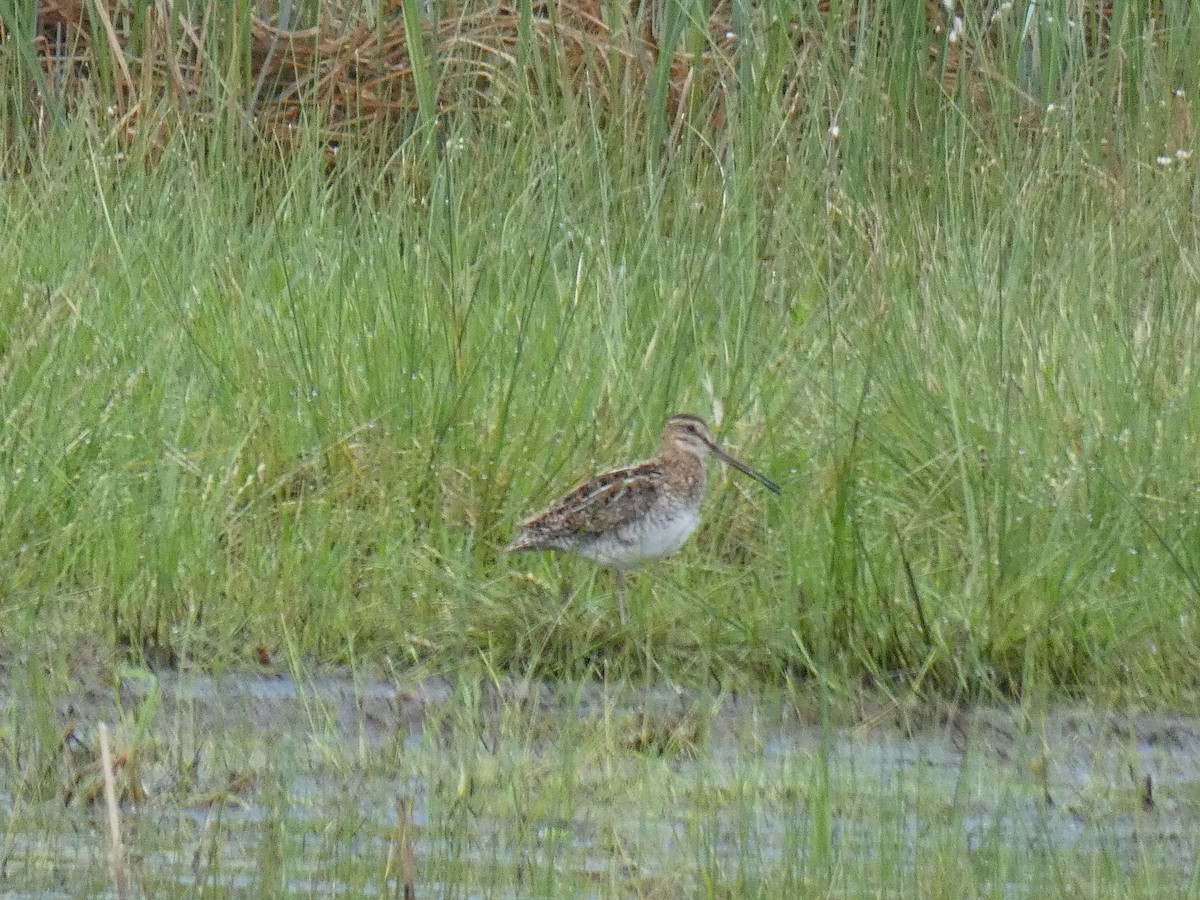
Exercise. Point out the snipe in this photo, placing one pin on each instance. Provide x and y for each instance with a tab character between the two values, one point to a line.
632	515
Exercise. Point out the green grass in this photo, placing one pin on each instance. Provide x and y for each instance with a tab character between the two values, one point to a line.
257	404
252	401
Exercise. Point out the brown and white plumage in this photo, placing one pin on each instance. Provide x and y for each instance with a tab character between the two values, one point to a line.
646	511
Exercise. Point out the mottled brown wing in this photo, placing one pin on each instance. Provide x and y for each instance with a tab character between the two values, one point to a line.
603	504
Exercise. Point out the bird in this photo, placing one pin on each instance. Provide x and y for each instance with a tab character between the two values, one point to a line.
635	514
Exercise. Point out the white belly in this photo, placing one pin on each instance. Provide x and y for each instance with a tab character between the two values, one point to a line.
638	543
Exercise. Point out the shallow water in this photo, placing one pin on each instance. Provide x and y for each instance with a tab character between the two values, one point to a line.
514	787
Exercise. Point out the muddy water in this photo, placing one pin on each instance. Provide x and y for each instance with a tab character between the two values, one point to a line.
1077	780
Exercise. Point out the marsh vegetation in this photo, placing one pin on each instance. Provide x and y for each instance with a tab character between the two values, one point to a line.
303	306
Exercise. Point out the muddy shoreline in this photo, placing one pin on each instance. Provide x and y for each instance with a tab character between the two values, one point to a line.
1074	779
1071	742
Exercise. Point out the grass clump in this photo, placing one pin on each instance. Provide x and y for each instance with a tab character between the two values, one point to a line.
292	395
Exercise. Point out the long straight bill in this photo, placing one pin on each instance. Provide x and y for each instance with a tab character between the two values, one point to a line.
745	469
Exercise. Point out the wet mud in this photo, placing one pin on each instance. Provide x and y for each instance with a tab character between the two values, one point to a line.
1071	778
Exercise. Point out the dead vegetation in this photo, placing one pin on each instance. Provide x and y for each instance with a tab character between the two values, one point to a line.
360	73
150	66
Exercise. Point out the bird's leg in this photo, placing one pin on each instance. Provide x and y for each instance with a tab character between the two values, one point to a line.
621	597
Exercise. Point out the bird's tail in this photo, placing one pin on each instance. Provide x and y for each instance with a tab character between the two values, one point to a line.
522	542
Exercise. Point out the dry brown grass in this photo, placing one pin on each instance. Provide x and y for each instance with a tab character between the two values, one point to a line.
359	73
356	74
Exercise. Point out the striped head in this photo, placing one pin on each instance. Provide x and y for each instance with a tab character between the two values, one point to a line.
689	434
